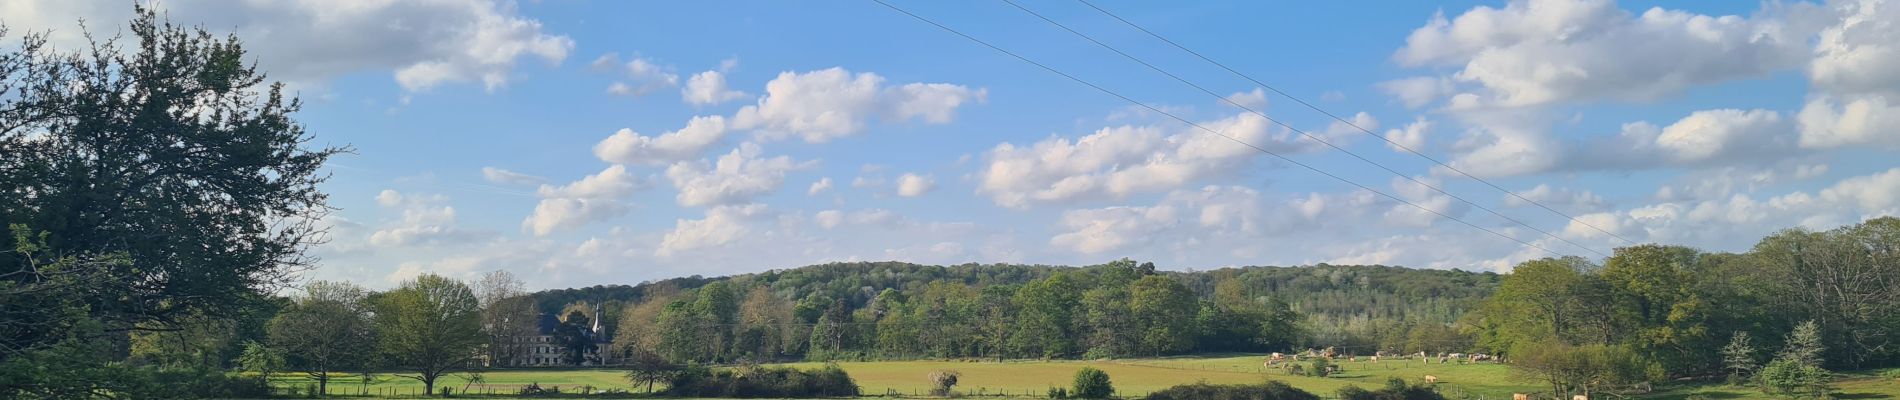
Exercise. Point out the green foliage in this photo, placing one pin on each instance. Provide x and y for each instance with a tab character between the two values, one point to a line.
756	381
195	342
178	164
1395	389
1163	311
646	369
1058	393
1320	367
1791	378
1803	345
576	336
324	329
1738	357
1664	315
1046	317
905	311
1842	278
164	199
261	359
1796	370
1585	369
1271	390
1091	383
431	325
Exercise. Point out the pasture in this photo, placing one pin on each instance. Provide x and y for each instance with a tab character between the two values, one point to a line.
1133	378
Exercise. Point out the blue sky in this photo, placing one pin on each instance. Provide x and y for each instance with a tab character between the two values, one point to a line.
490	136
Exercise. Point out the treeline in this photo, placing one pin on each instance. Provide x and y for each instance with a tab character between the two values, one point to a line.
892	310
1799	302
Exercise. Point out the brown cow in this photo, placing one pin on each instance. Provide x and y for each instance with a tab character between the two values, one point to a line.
1520	396
1431	379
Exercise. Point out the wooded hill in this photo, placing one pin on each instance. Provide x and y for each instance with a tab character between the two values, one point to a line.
1364	307
1797	302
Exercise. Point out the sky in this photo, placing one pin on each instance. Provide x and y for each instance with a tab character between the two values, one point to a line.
577	143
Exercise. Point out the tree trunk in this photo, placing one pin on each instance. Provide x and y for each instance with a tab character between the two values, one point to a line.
428	385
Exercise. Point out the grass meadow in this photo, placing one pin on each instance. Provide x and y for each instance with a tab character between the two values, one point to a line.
1133	378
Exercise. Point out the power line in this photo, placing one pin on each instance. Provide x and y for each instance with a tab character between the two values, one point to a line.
1335	117
1290	127
1204	128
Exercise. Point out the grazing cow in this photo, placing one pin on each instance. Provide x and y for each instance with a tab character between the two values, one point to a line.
1520	396
1353	359
1375	359
1431	379
1580	397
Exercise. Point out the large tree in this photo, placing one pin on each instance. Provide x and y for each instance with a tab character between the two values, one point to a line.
1843	280
576	336
1046	317
152	179
1163	311
508	317
430	325
324	329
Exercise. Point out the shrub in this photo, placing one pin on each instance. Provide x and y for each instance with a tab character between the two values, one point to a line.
1395	389
942	380
1271	390
1321	367
145	382
757	381
1058	393
1091	383
1789	377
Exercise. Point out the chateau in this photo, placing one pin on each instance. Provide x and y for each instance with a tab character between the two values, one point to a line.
544	349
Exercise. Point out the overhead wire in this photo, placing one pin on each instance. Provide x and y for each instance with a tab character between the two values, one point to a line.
1158	110
1302	132
1389	141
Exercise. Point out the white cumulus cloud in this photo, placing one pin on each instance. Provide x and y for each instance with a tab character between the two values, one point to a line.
708	88
629	147
736	177
309	42
590	199
913	185
1541	51
823	105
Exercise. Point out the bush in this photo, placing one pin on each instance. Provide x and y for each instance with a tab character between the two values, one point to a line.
1271	390
1058	393
1788	377
534	389
146	383
1321	367
1091	383
757	381
1395	389
942	380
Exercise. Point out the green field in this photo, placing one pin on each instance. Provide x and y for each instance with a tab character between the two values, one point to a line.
1132	377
